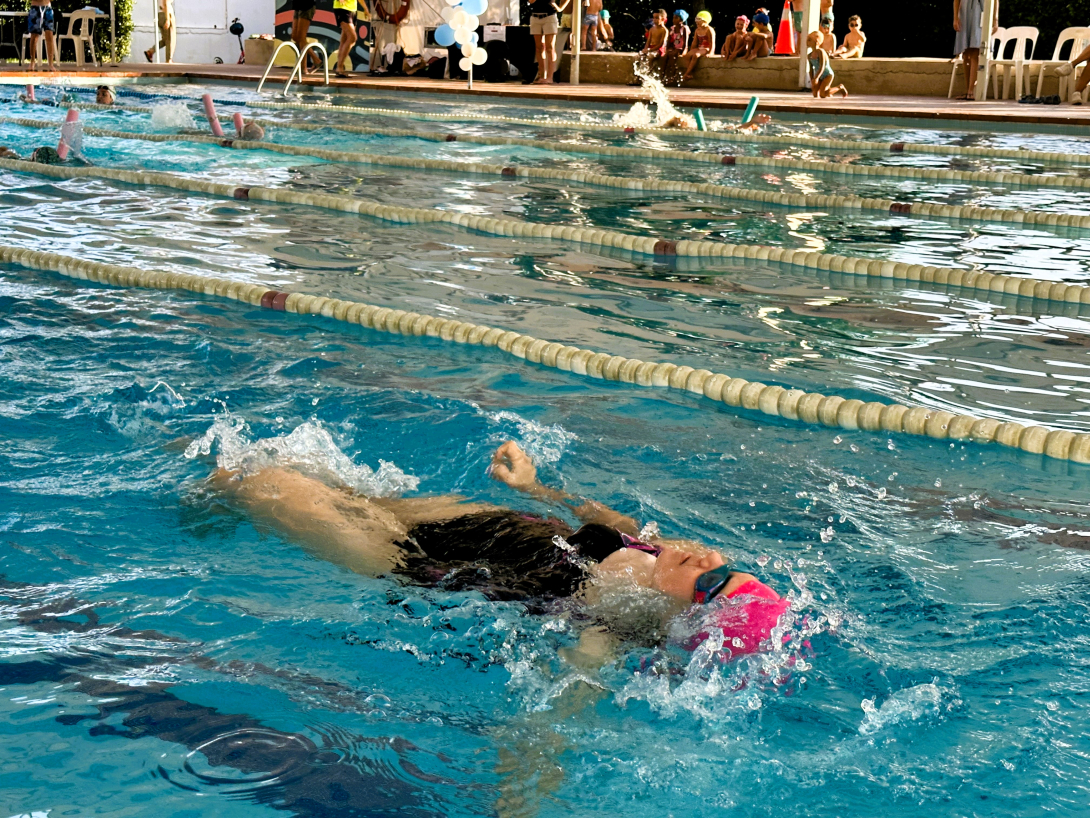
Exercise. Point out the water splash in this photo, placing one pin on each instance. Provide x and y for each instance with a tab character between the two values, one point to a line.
172	116
665	114
544	444
908	705
309	448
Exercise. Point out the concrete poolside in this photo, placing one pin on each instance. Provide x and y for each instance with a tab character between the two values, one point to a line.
795	103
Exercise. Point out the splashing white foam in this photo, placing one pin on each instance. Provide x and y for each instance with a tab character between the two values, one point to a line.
72	134
309	448
544	444
910	704
172	115
640	114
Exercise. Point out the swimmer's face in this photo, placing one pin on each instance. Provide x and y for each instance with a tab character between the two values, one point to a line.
825	26
677	20
739	25
659	19
675	572
104	96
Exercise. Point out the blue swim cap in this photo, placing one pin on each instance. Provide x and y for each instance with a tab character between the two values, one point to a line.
761	17
604	15
684	15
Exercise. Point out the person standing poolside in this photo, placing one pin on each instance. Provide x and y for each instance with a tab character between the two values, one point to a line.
40	23
796	19
968	18
503	554
302	16
590	24
344	11
544	27
168	31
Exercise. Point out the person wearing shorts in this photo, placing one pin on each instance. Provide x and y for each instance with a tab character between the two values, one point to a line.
544	27
39	21
303	14
344	12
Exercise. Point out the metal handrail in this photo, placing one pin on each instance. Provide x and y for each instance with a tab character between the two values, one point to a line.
300	62
272	59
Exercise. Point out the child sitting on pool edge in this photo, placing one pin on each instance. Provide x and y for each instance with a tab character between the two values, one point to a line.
703	44
821	70
760	39
852	47
734	45
654	45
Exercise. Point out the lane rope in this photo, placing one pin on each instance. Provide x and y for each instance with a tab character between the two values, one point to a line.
1001	283
792	404
774	197
722	136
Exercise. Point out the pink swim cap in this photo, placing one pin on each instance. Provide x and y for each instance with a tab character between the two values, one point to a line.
746	618
743	18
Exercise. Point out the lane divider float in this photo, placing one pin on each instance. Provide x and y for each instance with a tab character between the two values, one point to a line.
1000	283
792	140
765	197
778	401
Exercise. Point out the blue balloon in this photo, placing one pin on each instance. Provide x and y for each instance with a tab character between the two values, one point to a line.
444	35
475	38
475	7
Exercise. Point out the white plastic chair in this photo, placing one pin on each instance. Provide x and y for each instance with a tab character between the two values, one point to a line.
997	40
81	29
1079	38
41	48
1021	36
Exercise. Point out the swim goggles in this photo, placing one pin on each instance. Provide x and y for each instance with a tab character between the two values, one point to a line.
710	583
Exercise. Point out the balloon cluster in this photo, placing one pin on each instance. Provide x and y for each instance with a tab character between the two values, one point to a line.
462	19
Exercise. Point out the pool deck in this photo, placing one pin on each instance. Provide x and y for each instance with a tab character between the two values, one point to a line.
792	103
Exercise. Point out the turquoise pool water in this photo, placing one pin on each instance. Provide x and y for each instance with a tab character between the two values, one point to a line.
164	654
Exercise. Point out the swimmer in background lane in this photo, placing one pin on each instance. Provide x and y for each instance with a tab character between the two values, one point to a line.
104	95
444	541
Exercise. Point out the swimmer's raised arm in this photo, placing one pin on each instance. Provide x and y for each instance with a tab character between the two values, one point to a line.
511	465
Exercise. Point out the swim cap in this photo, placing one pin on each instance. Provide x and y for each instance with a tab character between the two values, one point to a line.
46	156
744	19
604	15
705	15
761	17
747	618
684	15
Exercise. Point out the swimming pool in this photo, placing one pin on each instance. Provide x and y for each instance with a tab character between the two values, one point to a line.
163	653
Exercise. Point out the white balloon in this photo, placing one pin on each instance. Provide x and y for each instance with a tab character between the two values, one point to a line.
468	49
453	2
446	13
465	64
458	20
479	56
462	36
472	22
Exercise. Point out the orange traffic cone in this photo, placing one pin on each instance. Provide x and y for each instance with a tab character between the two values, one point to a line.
785	40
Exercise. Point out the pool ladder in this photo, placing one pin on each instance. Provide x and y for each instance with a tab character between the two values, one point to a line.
299	61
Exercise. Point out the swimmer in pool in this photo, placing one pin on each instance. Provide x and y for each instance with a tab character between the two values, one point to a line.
452	544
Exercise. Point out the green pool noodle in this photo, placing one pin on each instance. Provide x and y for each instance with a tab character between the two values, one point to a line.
751	109
699	116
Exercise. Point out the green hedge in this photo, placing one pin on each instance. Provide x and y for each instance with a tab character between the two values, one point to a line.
123	9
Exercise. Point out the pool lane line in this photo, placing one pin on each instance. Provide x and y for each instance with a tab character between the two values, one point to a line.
1001	283
722	136
792	404
810	165
769	197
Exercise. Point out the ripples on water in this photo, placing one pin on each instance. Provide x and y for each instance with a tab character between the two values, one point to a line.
939	589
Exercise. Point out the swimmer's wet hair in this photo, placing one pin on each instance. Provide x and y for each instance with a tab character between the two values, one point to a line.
595	541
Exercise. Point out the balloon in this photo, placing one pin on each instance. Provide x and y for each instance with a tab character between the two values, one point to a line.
462	36
468	49
475	7
447	13
472	22
475	38
444	35
458	20
453	2
479	56
465	64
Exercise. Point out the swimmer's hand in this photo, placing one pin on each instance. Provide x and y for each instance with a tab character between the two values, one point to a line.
511	465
